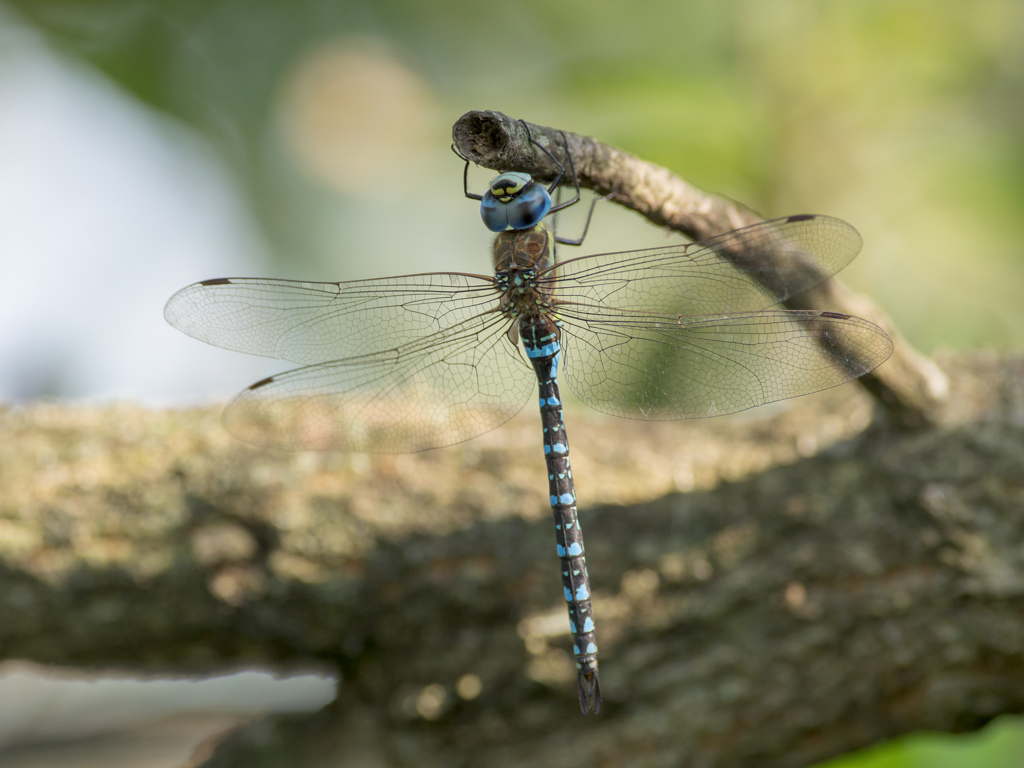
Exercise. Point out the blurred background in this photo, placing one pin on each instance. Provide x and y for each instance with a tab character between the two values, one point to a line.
148	144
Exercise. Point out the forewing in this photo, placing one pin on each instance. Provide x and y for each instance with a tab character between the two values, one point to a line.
310	323
741	271
437	391
650	366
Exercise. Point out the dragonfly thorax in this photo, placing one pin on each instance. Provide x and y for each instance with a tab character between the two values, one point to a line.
519	257
523	249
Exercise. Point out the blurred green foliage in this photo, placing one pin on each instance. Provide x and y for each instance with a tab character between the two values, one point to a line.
905	117
1000	745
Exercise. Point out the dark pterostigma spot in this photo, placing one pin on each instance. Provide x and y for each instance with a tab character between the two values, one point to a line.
261	383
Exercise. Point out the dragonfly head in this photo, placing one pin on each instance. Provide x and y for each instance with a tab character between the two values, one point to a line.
514	201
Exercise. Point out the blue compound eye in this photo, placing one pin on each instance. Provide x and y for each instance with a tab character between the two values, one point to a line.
514	201
529	207
494	213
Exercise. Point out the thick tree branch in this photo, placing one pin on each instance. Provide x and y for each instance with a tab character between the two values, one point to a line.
769	592
911	389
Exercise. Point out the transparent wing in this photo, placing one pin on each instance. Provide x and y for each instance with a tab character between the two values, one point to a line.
652	366
740	271
439	390
310	323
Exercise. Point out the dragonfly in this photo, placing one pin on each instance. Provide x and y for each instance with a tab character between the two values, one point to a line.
409	363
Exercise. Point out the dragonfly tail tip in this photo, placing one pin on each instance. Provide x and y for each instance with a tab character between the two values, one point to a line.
590	692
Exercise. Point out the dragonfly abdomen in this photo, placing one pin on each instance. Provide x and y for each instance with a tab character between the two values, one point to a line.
541	341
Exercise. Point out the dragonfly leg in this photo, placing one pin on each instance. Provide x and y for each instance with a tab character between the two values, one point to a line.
561	168
576	186
586	225
465	176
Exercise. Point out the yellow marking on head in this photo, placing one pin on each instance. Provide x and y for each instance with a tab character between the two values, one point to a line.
507	186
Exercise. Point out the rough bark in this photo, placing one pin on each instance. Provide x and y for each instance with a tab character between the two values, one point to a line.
770	591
